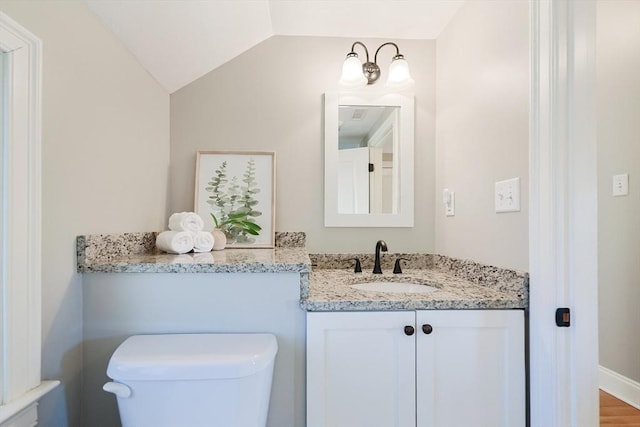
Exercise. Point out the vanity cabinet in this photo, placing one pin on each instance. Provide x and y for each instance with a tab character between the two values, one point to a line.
430	368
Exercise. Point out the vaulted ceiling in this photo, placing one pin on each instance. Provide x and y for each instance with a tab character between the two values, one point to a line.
179	41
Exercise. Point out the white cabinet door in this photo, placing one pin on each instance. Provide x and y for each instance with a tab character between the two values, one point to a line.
470	368
360	369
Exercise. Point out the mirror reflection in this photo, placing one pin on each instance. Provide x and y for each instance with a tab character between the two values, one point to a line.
367	159
368	131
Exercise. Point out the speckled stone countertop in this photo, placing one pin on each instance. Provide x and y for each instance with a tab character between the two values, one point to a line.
461	284
136	253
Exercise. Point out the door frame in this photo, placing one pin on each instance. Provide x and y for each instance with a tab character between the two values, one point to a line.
563	214
20	207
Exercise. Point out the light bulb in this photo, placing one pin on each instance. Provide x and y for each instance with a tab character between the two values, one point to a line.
352	75
399	75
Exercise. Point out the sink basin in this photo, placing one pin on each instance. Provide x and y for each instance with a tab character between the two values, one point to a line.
411	288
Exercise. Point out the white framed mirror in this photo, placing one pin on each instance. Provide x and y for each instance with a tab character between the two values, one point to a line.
368	159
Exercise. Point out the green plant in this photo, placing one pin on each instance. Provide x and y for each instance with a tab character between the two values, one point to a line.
235	203
236	221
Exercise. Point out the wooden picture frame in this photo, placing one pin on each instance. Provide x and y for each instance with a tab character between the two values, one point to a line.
238	187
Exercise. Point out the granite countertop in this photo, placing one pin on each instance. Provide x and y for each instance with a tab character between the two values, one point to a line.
461	285
136	253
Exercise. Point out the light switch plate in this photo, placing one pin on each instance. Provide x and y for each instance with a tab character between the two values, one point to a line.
449	200
507	195
621	185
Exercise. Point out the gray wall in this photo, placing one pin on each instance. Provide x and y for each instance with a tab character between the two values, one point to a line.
270	98
482	131
105	155
119	305
618	62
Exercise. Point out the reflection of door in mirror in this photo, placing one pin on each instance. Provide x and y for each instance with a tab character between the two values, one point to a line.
353	180
368	168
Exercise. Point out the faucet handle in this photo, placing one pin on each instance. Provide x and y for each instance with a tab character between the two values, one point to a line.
358	266
397	269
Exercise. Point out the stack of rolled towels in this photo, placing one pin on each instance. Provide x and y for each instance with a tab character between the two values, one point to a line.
185	235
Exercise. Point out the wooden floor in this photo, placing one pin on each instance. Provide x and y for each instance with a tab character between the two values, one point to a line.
614	412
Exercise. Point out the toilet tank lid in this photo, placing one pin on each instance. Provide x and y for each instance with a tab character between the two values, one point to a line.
191	356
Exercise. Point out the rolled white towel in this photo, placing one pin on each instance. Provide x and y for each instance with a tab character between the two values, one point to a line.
202	241
186	221
175	242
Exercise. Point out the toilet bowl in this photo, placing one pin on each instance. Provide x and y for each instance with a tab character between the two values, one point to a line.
193	380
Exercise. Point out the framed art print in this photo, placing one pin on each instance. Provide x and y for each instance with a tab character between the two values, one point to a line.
235	192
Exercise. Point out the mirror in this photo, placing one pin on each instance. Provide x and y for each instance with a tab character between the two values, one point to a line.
368	160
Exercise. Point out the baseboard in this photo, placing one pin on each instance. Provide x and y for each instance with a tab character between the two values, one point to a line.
619	386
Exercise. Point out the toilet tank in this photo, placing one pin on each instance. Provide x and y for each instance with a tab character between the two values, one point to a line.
193	380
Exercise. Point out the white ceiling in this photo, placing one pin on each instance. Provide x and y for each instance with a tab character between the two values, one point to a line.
179	41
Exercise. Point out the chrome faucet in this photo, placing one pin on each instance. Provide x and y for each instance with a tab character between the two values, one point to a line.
380	246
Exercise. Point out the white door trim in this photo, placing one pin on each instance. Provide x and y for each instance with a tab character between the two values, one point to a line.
20	302
563	214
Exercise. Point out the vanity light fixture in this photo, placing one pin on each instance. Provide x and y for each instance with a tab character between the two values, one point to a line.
355	74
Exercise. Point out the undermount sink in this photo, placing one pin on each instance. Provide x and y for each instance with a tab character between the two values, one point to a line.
398	287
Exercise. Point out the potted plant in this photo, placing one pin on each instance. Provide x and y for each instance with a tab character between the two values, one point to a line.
235	224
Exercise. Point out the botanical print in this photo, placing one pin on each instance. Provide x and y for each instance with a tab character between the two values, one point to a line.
235	193
235	203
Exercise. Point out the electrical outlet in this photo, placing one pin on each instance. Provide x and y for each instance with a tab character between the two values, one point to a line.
507	195
621	185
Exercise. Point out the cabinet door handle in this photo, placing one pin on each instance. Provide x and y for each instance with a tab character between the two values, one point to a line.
409	330
427	328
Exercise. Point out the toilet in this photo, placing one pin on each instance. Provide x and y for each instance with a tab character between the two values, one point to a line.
193	380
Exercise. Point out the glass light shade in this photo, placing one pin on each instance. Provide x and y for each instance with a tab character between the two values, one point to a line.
399	76
352	75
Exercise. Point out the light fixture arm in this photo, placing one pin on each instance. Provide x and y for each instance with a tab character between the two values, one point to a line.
353	50
397	56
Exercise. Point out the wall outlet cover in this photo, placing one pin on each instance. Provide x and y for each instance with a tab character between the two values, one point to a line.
621	185
507	195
